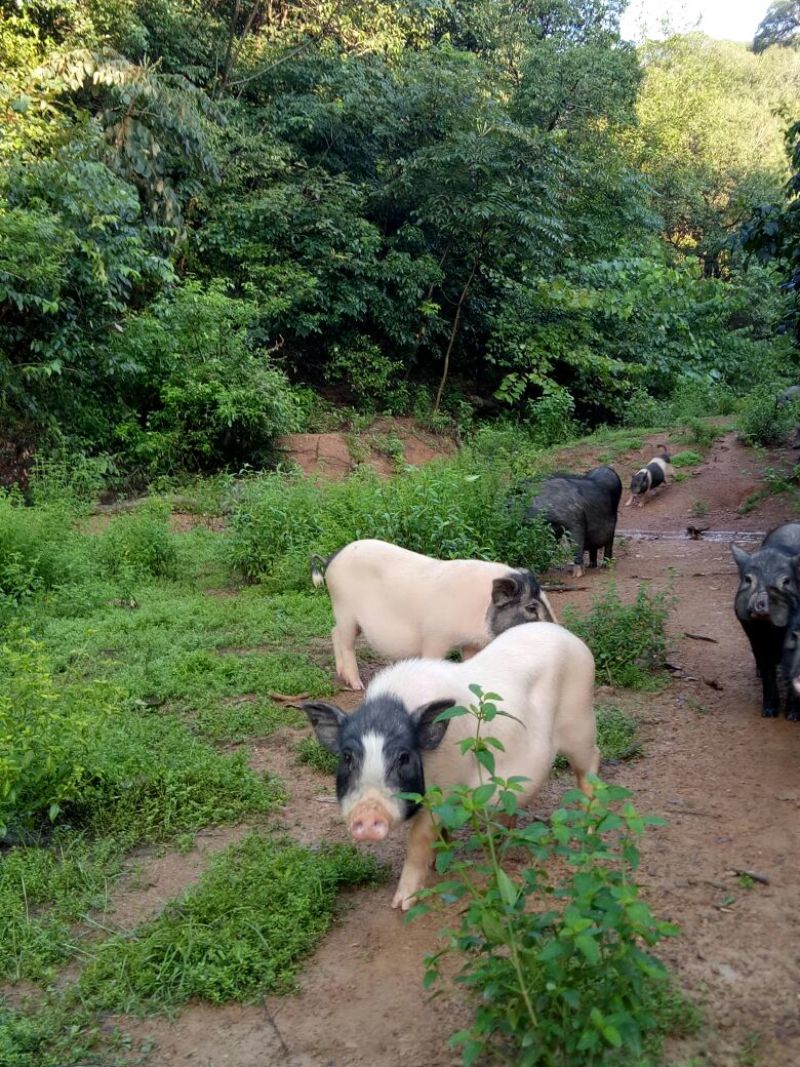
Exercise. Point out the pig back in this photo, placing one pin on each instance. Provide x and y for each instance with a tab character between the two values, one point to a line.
786	538
545	677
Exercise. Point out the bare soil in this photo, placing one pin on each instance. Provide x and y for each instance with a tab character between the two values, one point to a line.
727	781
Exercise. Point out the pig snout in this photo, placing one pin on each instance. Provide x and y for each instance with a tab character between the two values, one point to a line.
759	605
369	822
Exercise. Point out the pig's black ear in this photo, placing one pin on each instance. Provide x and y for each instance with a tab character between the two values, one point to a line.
742	558
505	591
429	732
327	720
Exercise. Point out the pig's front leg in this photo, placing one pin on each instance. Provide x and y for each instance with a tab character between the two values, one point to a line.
419	858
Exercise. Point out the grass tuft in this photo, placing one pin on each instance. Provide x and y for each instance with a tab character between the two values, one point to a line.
262	905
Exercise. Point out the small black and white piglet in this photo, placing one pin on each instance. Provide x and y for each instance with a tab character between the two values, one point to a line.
393	744
649	478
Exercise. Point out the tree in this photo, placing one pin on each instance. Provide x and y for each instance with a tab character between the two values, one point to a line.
710	136
773	233
780	26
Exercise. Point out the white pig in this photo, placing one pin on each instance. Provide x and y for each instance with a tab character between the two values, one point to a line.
392	744
406	604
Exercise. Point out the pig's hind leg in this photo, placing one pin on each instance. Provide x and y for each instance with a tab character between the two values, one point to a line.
580	748
344	636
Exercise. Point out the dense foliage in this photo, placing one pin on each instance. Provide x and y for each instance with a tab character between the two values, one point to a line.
412	205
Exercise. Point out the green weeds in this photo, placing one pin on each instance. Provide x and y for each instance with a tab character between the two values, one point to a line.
762	421
686	459
311	752
261	906
454	509
628	641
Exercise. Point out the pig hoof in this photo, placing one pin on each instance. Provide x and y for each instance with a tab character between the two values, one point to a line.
793	715
769	713
404	897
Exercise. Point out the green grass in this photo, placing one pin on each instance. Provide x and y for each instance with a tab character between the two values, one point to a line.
61	1033
686	459
616	735
43	892
311	752
240	934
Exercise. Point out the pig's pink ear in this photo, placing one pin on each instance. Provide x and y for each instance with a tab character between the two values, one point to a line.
327	720
430	732
505	591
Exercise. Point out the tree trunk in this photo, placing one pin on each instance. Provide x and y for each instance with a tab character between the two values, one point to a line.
453	332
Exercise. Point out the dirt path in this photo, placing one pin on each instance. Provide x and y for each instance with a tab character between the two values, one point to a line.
727	781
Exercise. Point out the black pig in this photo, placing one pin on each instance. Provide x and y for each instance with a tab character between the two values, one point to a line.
766	601
584	506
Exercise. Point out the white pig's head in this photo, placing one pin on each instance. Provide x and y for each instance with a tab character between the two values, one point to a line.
380	749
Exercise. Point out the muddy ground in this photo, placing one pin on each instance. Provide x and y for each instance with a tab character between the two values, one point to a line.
727	781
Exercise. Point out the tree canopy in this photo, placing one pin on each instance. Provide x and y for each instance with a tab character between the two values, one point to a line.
421	205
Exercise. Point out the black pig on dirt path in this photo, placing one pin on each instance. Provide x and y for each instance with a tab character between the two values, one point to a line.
765	601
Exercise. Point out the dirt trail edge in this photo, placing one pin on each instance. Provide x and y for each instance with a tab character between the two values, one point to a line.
727	781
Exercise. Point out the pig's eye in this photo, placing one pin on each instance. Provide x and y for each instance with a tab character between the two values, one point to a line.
347	760
404	759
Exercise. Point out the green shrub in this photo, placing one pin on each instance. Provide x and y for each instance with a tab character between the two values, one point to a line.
628	641
555	954
140	544
762	422
452	510
46	733
551	417
238	935
220	400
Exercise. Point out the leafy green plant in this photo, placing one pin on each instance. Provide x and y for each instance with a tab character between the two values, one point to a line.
261	907
762	421
46	734
628	641
39	551
140	545
573	982
698	509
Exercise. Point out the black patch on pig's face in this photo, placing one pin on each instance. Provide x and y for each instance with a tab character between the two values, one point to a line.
380	745
516	599
640	483
767	587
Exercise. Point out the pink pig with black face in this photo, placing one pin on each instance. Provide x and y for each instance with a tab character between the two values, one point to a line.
393	743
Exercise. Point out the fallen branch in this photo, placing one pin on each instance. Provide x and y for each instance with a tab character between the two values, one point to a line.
565	588
762	878
702	637
287	698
